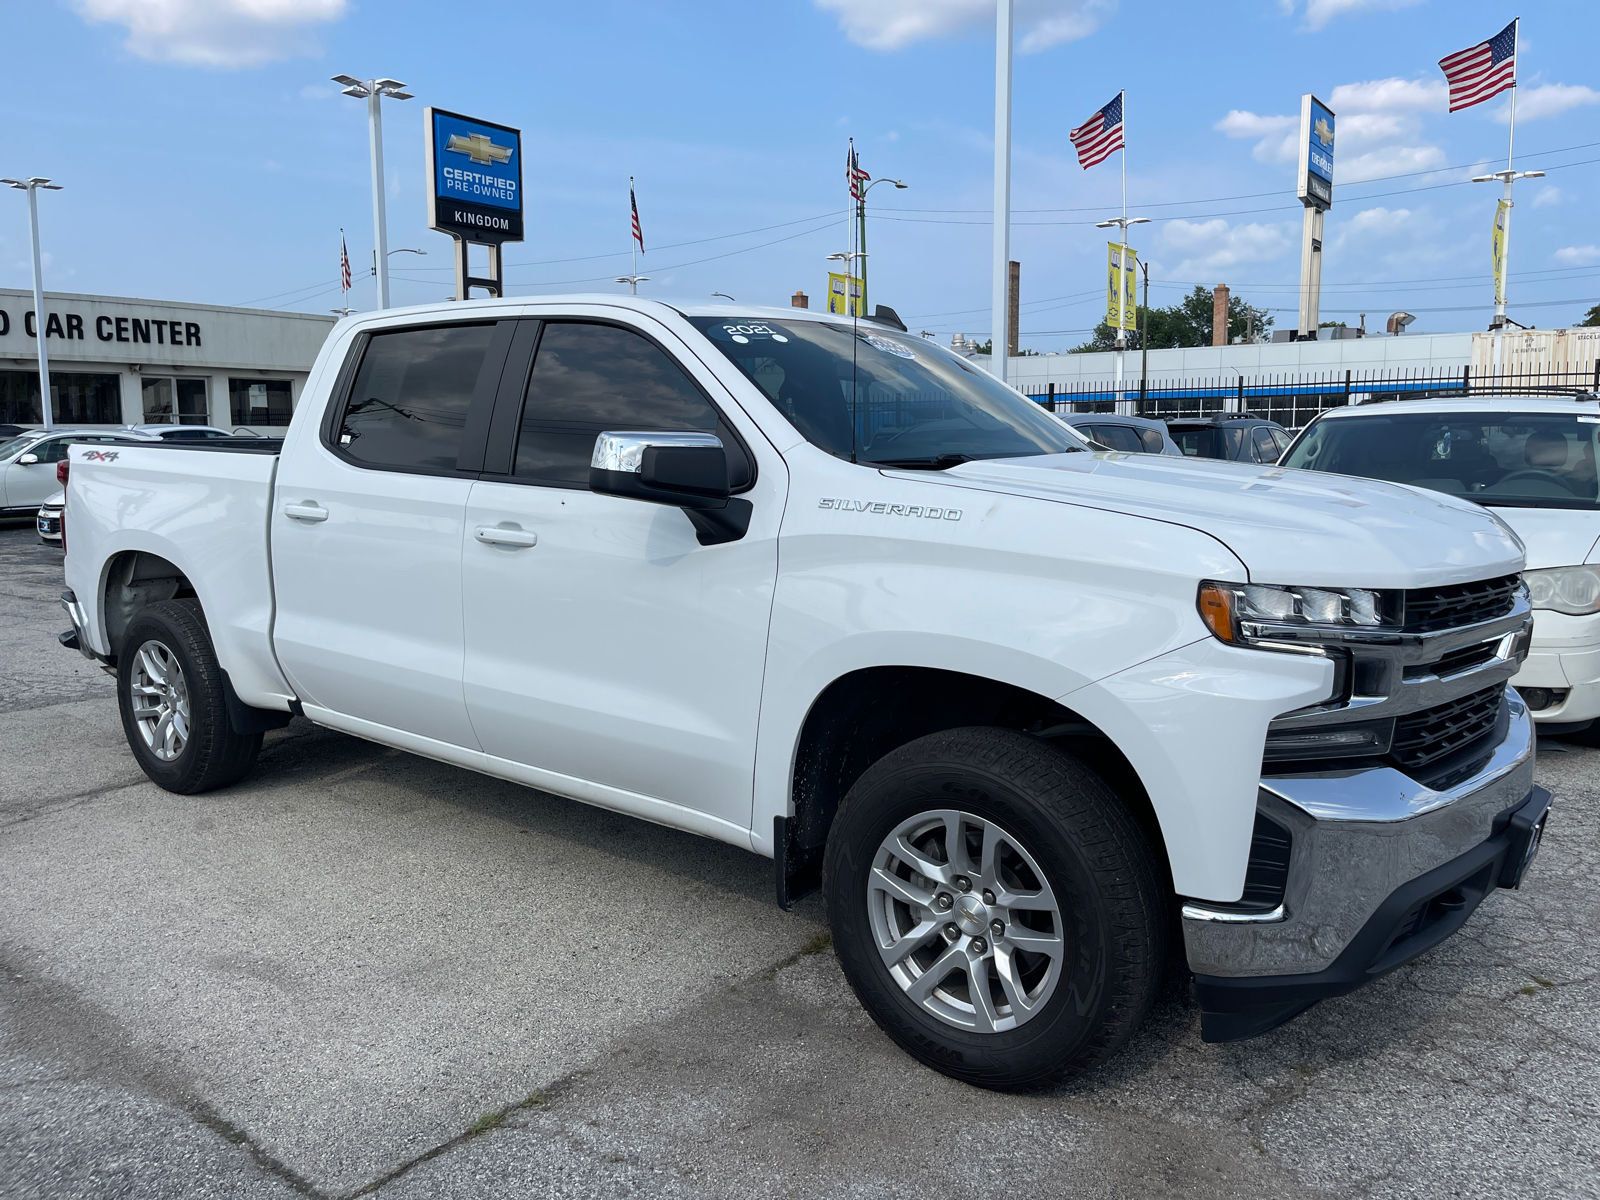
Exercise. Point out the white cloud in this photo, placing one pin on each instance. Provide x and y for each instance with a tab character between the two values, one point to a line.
1390	95
1279	136
1213	246
1577	256
1386	161
1320	12
215	33
1549	100
896	24
1548	195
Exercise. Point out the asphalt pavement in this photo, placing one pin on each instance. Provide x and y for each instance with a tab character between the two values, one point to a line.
360	972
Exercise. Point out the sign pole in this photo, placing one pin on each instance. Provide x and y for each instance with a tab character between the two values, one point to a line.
1000	333
380	218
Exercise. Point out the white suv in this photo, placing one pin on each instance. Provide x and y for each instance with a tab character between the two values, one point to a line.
1531	462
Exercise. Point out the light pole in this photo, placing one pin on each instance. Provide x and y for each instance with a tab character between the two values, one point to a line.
1507	177
848	257
373	91
999	333
32	186
1144	338
1122	224
861	216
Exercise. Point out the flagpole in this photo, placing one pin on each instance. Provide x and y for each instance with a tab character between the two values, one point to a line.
1122	267
1505	194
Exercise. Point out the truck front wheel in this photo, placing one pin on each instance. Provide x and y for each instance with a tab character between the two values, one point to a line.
995	907
174	708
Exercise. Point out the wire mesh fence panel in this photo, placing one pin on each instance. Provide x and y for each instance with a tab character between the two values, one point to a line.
1293	400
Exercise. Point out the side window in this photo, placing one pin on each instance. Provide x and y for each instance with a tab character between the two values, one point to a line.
1234	434
1152	441
52	451
408	406
1281	437
1267	449
590	378
1120	437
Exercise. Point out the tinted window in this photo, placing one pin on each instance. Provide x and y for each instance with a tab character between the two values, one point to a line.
1119	437
409	404
590	378
1205	442
1152	441
1266	449
875	395
1521	460
1281	439
1233	438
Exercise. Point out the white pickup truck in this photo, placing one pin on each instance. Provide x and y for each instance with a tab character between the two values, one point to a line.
823	590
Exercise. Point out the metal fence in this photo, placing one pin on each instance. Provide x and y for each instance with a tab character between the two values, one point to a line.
1292	400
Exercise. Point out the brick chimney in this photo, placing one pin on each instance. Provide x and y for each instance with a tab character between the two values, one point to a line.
799	300
1219	315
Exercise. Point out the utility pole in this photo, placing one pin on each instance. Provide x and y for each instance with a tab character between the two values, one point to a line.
373	91
1000	336
32	186
1144	338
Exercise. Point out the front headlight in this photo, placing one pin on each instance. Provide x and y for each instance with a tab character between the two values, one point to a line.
1255	614
1571	590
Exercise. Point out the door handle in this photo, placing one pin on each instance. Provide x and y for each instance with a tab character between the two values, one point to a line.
310	510
499	535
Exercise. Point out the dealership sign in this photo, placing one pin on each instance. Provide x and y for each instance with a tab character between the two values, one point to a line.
1315	187
475	178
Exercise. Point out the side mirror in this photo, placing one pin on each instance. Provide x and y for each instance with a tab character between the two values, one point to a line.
686	470
28	460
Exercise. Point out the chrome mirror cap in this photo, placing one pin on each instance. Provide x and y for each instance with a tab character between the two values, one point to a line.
624	451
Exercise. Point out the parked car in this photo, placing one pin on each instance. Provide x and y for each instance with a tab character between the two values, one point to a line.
1134	435
186	433
28	464
48	519
1235	438
1531	462
1019	709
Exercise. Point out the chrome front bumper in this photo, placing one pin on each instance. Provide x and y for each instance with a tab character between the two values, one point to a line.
1358	837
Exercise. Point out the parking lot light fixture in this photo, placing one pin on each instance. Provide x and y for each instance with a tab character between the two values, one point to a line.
31	185
373	91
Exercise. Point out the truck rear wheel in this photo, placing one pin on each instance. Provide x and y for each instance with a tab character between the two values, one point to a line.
174	708
995	907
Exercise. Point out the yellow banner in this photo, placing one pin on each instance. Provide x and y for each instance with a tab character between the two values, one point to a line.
1497	250
1122	273
839	288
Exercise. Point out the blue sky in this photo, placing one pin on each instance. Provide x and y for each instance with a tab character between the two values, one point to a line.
206	157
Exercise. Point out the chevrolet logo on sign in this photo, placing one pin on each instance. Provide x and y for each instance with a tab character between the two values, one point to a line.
1322	129
479	148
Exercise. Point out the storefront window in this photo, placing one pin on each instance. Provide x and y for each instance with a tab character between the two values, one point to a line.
76	398
174	401
260	401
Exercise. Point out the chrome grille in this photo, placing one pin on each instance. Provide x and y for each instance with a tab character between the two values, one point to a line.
1427	736
1428	609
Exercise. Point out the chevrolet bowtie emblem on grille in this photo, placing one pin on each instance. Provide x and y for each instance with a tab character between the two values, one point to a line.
1322	129
479	148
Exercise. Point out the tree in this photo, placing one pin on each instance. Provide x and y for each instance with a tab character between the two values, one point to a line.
1593	318
1186	323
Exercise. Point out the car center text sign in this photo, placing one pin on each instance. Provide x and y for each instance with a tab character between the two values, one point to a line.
475	178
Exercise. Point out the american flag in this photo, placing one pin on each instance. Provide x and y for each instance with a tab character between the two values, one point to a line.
638	234
854	173
344	264
1099	136
1482	71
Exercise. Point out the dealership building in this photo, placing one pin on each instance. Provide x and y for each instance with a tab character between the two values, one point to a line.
119	361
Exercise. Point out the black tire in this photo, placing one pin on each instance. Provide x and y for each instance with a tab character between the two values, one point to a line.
1092	856
212	755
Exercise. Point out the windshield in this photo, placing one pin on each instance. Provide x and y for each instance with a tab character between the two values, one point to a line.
14	446
1511	460
885	397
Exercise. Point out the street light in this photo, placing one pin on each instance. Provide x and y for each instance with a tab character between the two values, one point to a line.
861	216
1507	177
1121	223
32	185
373	91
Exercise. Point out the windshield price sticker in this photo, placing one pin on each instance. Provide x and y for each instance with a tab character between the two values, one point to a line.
751	333
887	346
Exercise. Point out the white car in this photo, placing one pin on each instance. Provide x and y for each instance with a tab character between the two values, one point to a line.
825	591
1530	461
28	464
48	519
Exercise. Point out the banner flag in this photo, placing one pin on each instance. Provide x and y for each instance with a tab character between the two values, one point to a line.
1122	272
838	287
1497	250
